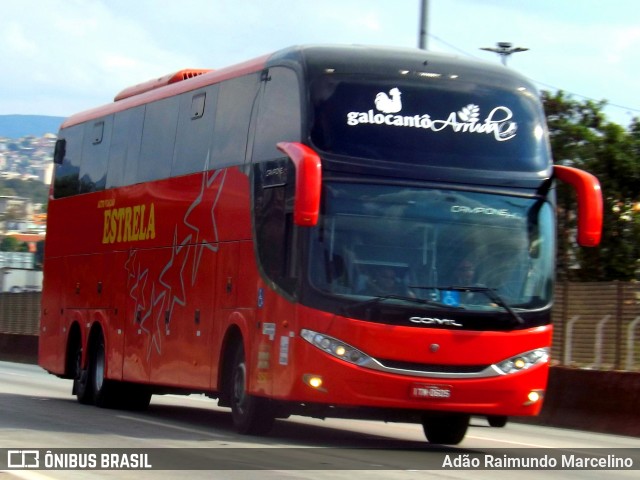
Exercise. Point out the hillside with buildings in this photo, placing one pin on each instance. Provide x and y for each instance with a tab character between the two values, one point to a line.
26	165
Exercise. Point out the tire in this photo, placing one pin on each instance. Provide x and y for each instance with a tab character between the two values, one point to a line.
445	429
105	392
251	414
497	421
81	385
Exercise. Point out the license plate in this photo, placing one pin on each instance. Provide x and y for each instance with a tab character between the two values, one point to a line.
431	392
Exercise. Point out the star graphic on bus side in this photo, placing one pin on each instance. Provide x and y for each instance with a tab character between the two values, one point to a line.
172	276
137	290
130	266
198	215
156	313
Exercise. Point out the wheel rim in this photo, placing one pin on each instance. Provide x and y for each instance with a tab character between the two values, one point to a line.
99	368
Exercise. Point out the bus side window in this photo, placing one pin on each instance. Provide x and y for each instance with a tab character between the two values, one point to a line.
95	155
158	139
236	102
125	147
279	119
195	129
273	184
67	173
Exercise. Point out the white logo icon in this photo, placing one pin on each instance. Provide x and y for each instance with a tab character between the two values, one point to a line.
387	104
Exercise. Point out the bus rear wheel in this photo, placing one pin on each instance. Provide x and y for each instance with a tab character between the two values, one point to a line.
251	414
445	429
105	393
81	388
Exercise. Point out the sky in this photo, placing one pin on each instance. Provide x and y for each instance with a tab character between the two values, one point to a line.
61	57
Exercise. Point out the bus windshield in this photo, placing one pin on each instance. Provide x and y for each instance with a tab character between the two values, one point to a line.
445	121
453	247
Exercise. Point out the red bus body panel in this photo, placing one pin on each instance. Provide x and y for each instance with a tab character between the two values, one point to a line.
150	263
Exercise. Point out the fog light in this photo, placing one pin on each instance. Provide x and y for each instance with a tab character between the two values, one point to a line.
314	381
534	396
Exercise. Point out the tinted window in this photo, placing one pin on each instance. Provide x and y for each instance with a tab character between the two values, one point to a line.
236	100
195	130
158	139
67	174
279	119
125	147
273	198
95	155
442	121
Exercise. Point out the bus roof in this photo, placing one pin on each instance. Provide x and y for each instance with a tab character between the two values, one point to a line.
124	100
315	60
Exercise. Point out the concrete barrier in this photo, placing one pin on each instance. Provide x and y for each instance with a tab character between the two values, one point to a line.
18	348
591	400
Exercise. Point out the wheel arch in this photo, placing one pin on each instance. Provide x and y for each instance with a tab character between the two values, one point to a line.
74	341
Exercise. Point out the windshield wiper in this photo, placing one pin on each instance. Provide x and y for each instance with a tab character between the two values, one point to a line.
382	298
493	296
489	292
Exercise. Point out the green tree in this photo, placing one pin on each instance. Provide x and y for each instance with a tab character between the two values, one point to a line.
582	137
38	192
9	244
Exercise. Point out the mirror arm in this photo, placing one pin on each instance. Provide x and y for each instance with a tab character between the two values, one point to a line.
590	208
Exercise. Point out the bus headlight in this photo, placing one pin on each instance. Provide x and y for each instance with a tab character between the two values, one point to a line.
335	347
522	361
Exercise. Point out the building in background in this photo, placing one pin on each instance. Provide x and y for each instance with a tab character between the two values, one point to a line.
18	272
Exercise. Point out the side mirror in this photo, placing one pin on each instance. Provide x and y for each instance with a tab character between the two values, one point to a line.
306	209
59	151
590	207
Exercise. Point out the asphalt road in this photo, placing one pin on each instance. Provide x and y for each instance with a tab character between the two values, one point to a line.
37	411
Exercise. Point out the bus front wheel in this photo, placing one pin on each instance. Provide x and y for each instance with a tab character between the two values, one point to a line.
497	421
445	429
251	414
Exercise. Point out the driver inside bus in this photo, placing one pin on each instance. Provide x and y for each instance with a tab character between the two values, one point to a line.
385	281
465	274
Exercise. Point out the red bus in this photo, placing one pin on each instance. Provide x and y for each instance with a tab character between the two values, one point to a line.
325	231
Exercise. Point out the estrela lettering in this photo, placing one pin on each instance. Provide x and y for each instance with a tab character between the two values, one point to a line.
129	224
